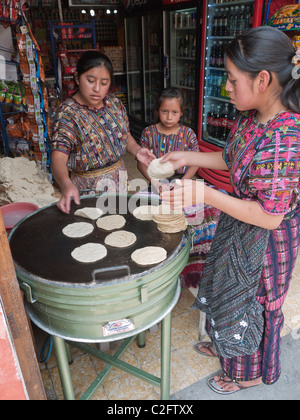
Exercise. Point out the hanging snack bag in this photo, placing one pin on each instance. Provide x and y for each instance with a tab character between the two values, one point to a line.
62	53
3	90
9	97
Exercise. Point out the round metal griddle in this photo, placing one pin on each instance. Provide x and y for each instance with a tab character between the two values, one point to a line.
40	248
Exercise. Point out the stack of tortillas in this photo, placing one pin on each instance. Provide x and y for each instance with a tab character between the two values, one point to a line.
169	221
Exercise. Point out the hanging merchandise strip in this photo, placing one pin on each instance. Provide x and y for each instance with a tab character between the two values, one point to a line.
33	77
44	107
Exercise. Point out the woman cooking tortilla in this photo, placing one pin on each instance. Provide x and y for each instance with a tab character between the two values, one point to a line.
90	133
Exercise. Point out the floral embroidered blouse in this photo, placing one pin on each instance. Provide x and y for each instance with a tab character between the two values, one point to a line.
160	144
264	160
93	139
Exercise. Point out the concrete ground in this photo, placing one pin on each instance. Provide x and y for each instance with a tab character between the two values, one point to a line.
286	388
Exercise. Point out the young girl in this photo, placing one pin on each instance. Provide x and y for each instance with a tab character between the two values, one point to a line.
168	134
249	268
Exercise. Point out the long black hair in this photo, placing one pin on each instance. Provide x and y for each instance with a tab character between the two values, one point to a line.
267	48
91	59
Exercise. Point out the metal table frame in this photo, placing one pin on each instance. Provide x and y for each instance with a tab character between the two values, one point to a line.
64	358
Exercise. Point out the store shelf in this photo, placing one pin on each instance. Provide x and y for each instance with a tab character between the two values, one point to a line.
7	107
183	62
230	3
60	35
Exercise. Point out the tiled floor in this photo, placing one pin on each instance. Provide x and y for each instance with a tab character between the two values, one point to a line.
187	366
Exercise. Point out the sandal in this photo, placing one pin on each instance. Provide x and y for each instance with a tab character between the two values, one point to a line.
208	346
216	388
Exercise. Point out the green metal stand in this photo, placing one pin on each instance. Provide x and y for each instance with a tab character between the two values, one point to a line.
163	382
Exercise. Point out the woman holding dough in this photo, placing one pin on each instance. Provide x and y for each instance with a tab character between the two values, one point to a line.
249	268
90	133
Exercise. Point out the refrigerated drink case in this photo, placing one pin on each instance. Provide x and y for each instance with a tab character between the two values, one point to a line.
152	59
183	49
133	65
224	22
162	50
144	68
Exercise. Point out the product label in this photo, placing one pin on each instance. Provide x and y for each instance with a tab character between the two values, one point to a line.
118	327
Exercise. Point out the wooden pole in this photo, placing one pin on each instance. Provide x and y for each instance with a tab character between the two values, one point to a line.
15	312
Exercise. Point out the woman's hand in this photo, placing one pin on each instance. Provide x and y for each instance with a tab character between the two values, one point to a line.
186	193
177	159
68	192
145	156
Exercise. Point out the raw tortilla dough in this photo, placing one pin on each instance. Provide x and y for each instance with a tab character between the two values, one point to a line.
149	255
158	170
120	239
92	213
78	230
89	253
145	212
111	222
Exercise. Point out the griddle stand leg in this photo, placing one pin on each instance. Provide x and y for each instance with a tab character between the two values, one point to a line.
62	358
166	326
62	353
141	340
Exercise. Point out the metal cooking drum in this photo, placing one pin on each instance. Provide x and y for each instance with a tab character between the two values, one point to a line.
80	301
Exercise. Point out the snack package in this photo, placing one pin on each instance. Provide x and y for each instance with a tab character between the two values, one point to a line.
66	33
287	17
9	97
15	130
63	55
3	90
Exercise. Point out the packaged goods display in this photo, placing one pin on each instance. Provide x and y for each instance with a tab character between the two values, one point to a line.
65	56
287	18
296	41
116	56
35	94
24	104
10	11
12	92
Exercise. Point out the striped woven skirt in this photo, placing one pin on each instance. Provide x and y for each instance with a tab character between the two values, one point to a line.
279	263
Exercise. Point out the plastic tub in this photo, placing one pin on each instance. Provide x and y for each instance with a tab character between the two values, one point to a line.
14	212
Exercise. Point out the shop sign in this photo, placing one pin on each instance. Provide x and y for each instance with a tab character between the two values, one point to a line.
141	5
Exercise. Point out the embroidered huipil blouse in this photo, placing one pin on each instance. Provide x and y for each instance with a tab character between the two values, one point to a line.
92	138
160	144
264	160
264	164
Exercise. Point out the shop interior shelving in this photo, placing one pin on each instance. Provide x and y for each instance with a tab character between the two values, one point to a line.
8	109
183	49
59	34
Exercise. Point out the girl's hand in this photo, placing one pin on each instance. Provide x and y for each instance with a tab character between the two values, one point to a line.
177	159
145	156
186	193
69	191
